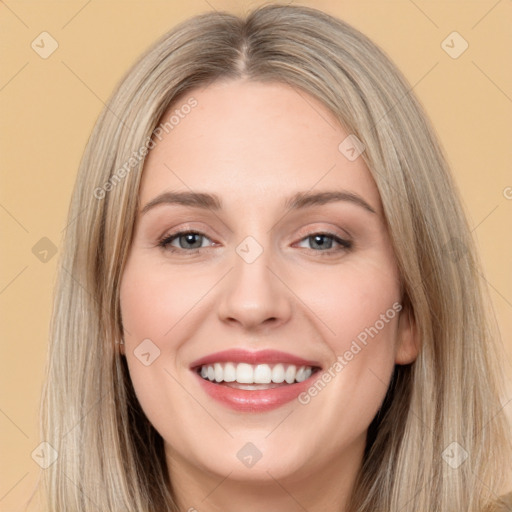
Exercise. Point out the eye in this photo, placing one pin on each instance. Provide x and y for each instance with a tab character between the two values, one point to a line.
187	241
324	242
192	241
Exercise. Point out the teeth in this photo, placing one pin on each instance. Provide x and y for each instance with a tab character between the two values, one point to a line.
301	374
263	374
278	373
217	371
244	373
289	375
229	372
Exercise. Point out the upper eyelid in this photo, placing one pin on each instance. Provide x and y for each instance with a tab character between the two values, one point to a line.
329	231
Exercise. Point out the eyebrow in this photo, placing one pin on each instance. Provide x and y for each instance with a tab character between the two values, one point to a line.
298	201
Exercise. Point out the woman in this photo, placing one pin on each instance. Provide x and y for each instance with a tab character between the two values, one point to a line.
248	371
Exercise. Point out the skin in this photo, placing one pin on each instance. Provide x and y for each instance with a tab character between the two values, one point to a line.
254	145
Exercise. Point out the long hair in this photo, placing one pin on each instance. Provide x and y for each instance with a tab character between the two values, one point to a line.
440	410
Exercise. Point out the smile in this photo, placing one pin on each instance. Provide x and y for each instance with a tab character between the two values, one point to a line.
254	381
243	373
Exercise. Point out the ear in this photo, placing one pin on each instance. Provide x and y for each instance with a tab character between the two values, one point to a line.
121	347
408	342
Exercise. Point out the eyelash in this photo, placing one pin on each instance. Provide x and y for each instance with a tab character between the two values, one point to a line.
167	239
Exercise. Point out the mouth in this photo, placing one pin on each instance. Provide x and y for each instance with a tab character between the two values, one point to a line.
260	381
255	377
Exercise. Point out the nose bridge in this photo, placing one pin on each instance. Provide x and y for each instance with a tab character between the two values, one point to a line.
253	294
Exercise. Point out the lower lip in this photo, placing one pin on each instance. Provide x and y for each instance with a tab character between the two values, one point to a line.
262	400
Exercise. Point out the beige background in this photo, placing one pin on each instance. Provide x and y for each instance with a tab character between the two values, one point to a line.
50	105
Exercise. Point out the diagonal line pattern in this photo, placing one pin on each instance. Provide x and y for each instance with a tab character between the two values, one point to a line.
414	497
386	386
12	488
197	302
74	219
83	493
302	302
14	423
406	93
286	491
77	13
14	218
492	81
197	401
494	288
12	280
492	419
217	486
14	76
87	291
212	211
210	5
281	422
485	218
485	15
84	415
424	13
311	188
312	106
13	13
106	106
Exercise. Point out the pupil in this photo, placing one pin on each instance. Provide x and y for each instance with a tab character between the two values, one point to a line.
189	238
317	237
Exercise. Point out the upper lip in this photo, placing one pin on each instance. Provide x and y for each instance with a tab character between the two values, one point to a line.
239	355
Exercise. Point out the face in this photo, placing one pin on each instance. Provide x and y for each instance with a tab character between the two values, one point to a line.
259	249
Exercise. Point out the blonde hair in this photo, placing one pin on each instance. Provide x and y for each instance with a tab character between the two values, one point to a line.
109	456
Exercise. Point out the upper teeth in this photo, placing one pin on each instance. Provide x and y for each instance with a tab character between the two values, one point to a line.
255	374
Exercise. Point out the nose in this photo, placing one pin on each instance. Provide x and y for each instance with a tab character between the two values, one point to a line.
254	296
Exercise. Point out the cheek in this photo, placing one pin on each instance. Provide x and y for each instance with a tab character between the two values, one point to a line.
152	309
149	309
358	311
353	302
153	301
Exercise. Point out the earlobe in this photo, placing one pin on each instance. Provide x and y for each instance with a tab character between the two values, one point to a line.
121	347
408	343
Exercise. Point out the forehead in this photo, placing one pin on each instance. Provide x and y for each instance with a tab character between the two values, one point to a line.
252	142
